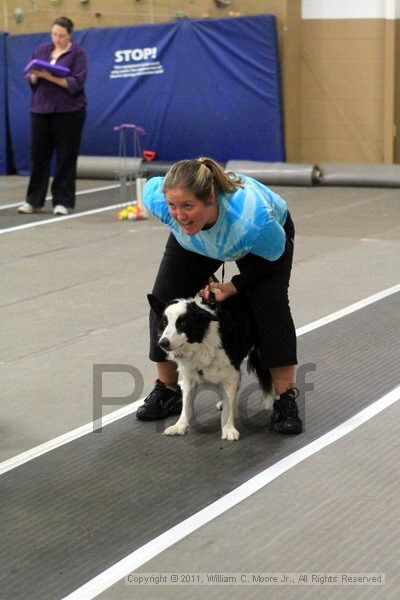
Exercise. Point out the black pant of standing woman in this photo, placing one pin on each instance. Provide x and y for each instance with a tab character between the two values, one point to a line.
58	133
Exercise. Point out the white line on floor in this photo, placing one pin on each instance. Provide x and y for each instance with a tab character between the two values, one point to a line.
55	220
61	440
65	438
81	193
157	545
348	309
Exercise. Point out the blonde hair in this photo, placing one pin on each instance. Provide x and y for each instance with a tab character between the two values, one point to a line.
201	176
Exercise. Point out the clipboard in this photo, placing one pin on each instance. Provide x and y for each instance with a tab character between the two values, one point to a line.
56	70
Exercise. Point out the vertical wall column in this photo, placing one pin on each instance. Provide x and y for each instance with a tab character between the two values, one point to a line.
291	78
288	15
389	120
350	81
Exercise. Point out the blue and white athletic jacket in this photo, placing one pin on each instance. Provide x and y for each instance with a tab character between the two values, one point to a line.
250	220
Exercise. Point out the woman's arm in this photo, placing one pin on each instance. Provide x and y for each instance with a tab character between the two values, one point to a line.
79	70
73	82
36	74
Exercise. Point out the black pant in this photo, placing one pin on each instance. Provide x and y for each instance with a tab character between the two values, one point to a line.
59	132
265	284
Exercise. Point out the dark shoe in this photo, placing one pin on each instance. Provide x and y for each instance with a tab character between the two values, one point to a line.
285	414
160	403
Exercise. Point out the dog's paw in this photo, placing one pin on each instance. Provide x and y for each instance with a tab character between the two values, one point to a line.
230	433
177	429
268	402
219	405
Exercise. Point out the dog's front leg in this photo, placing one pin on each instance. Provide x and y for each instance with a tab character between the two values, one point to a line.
182	424
230	388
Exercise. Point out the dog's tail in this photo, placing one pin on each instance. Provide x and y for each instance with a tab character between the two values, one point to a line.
263	373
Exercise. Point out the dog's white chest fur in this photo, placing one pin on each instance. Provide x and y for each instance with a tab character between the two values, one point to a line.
202	366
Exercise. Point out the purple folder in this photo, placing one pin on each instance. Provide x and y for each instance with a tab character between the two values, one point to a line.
56	70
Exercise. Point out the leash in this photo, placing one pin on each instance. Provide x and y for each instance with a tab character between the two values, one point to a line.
215	280
212	302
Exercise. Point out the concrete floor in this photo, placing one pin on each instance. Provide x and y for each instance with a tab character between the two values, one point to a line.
74	295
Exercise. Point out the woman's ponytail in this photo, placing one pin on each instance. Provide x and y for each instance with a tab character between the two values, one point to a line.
202	177
224	182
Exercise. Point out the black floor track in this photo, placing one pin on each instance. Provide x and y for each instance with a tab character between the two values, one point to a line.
73	512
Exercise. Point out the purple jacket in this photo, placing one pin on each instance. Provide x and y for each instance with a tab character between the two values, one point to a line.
49	97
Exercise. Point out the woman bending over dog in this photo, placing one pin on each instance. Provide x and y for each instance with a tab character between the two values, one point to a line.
214	217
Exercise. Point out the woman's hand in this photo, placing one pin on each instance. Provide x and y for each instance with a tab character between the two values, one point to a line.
37	73
34	76
43	74
222	291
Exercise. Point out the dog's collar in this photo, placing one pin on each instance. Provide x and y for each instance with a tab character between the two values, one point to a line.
211	302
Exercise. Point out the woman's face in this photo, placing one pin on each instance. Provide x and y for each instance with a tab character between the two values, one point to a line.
192	214
60	37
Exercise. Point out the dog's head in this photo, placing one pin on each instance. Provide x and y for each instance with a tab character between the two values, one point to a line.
181	322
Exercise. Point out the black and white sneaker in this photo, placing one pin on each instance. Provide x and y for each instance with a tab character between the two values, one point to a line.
162	402
285	415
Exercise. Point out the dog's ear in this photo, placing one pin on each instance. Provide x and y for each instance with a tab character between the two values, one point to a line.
205	315
214	318
156	304
216	307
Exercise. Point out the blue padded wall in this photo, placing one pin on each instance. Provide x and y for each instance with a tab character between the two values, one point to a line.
3	107
197	87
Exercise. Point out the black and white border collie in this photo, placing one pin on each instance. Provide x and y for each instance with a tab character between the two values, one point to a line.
209	343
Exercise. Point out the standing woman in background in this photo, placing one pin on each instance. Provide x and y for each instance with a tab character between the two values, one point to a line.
58	112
